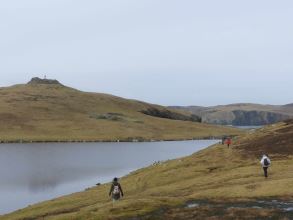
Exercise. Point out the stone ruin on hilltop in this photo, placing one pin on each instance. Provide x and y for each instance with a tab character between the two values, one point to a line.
37	80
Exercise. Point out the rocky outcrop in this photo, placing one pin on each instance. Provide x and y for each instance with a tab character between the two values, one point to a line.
164	113
37	80
244	118
288	105
242	114
256	117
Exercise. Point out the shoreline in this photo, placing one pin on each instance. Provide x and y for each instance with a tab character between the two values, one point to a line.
155	163
127	140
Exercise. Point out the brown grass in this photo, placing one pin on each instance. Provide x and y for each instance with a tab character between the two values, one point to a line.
159	192
58	113
276	140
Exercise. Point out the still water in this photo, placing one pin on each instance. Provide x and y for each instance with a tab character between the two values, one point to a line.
30	173
249	127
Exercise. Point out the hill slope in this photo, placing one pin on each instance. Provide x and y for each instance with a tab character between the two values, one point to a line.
45	110
216	183
241	114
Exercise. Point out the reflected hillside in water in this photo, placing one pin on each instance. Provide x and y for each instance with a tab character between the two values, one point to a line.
35	172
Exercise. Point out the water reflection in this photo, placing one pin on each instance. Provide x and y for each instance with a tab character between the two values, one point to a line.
35	172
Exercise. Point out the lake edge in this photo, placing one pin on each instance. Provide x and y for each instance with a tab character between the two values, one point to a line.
123	175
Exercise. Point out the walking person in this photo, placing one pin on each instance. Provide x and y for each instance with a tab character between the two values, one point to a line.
223	139
265	162
228	141
116	190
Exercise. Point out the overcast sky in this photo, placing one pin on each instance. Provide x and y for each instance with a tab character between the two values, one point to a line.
169	52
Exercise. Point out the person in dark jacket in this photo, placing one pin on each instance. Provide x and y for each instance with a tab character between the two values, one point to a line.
223	139
116	190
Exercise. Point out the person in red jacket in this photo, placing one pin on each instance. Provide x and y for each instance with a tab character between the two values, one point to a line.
228	141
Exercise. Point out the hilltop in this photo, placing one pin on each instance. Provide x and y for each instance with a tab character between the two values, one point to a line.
241	114
37	80
215	183
46	110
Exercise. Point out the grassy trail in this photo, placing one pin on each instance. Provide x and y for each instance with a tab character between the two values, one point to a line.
217	174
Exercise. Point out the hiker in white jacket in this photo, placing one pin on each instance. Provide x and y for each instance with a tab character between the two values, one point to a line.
265	162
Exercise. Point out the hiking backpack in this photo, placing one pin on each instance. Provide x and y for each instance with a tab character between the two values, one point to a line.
116	190
266	162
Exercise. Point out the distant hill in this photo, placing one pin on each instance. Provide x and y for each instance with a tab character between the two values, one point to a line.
46	110
241	114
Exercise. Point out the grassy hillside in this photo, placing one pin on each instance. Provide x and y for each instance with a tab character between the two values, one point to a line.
242	113
217	183
45	110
